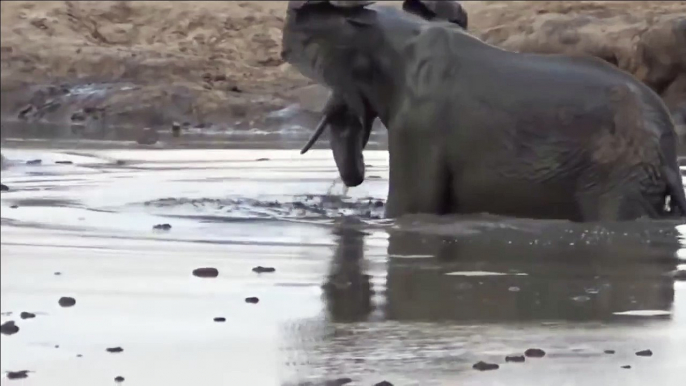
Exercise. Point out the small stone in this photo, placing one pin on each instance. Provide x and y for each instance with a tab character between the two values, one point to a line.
679	274
163	227
534	353
120	162
57	346
262	159
4	188
252	300
34	162
119	379
79	355
27	315
644	353
483	366
261	269
14	206
220	319
626	367
58	273
9	328
515	358
114	350
384	383
18	374
206	272
64	162
66	301
609	352
338	382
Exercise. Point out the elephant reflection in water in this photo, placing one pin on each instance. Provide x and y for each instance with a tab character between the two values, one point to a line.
573	283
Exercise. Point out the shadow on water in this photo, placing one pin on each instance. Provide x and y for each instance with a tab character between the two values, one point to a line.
507	274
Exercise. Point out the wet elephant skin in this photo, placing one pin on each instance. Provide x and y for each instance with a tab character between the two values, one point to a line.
473	128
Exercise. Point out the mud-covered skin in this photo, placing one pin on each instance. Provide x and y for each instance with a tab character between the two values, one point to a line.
473	128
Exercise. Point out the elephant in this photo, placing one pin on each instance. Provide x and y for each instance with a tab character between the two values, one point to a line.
473	128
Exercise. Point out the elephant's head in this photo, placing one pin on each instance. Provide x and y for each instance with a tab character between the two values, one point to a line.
344	45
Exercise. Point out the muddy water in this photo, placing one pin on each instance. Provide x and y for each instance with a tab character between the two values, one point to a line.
412	302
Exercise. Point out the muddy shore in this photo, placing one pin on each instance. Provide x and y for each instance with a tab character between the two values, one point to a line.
85	68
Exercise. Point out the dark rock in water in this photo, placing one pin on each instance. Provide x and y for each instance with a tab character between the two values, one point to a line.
27	315
384	383
176	129
115	350
534	353
609	351
338	382
148	136
252	300
164	227
220	319
120	162
9	328
64	162
119	379
645	353
374	177
18	374
261	269
14	206
206	272
4	188
262	159
57	346
515	358
483	366
626	367
58	273
79	355
34	162
66	301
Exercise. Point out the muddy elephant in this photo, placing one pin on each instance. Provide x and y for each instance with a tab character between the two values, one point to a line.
473	128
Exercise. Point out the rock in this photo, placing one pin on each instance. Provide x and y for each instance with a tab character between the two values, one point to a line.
120	162
9	328
609	351
114	350
338	382
252	300
57	346
679	274
644	353
119	379
220	319
384	383
27	315
163	227
206	272
261	269
262	159
515	358
79	356
64	162
534	353
4	188
34	162
483	366
626	367
176	129
18	374
66	301
57	273
148	136
14	206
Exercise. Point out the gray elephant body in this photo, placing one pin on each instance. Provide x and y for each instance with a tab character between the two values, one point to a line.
473	128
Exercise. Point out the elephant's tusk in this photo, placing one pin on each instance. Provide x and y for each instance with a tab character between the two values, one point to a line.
317	132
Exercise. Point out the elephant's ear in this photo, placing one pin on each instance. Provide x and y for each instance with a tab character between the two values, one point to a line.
295	5
446	10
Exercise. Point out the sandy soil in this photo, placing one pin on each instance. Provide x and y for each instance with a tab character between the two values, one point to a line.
209	62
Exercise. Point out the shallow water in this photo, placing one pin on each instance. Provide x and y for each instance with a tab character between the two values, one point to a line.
413	302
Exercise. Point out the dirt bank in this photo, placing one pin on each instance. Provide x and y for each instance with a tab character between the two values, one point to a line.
151	63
